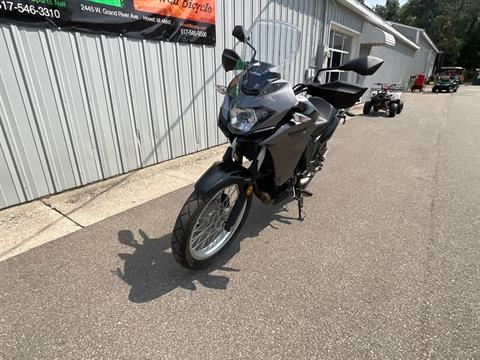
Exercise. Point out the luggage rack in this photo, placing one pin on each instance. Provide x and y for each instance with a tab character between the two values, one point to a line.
386	86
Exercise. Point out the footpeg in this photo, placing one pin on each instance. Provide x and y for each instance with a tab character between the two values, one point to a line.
307	193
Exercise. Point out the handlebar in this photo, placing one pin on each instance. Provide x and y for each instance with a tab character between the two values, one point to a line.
385	84
299	88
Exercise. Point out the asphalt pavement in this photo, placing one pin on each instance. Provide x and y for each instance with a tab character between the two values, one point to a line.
386	264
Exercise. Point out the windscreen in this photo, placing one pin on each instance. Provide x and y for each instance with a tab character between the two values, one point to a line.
276	42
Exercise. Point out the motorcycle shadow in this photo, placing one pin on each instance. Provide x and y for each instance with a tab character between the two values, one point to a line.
377	114
151	271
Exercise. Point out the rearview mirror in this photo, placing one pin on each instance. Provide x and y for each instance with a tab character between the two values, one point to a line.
239	33
366	65
229	59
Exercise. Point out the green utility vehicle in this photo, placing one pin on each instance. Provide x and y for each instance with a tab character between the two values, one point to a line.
445	83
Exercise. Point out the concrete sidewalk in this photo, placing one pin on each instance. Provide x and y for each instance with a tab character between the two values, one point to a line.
26	226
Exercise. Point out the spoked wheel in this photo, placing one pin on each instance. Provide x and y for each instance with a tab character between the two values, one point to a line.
199	235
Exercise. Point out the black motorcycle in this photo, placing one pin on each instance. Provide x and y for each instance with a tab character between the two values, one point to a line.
280	131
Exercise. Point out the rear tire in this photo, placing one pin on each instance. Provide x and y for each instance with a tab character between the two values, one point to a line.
186	223
392	110
434	89
448	90
367	107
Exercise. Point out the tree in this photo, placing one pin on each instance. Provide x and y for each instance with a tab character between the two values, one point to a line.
389	11
453	25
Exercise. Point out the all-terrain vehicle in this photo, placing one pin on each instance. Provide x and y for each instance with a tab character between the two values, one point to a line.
447	83
386	97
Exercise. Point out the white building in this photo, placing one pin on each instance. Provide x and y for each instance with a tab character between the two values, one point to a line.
425	57
77	108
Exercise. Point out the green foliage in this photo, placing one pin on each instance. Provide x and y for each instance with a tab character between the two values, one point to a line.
453	25
389	11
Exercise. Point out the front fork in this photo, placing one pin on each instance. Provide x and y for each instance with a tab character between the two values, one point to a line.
231	156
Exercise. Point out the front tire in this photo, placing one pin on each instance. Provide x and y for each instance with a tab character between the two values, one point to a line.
400	107
367	107
392	110
194	246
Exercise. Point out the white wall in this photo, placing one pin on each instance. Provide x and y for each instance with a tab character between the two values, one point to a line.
77	108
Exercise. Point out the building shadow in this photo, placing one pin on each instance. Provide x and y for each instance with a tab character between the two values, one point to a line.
151	271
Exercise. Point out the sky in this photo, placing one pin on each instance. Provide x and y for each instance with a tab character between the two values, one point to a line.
372	3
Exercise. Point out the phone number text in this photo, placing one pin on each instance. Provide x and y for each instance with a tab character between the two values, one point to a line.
196	33
29	9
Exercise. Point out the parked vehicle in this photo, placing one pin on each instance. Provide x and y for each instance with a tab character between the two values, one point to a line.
387	98
476	79
446	83
283	133
418	83
456	71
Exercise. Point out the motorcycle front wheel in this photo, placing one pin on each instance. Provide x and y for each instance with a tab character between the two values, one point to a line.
199	235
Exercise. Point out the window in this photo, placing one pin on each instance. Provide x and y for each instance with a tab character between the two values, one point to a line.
339	46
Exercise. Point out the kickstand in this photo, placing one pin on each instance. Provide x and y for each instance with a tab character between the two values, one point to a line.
298	195
301	213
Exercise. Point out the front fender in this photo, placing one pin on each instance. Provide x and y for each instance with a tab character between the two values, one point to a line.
220	175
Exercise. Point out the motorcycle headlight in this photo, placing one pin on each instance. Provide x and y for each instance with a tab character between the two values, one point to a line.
242	119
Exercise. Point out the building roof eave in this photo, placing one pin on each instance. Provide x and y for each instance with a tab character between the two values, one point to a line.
422	31
376	20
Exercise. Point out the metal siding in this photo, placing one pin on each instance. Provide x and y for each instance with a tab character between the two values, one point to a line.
174	112
77	108
424	57
11	190
18	122
343	16
397	67
158	101
120	102
71	90
94	76
408	32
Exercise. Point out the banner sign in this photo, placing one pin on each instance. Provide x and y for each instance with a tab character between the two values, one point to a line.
187	21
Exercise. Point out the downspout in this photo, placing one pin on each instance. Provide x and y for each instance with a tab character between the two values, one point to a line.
324	22
325	37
